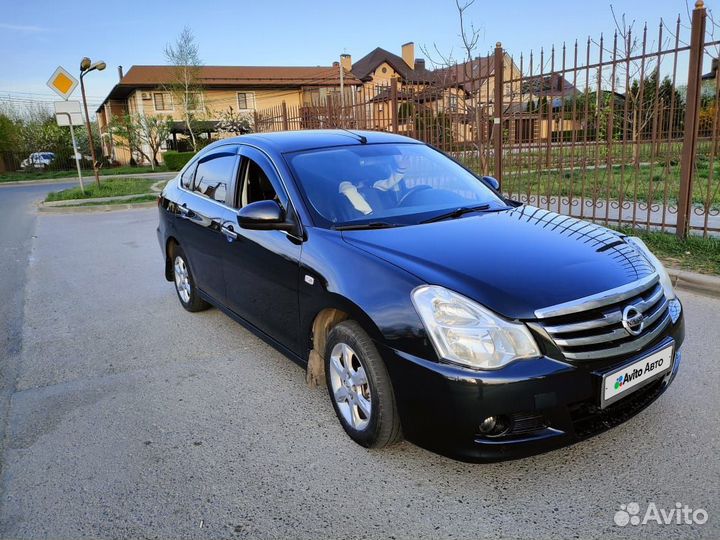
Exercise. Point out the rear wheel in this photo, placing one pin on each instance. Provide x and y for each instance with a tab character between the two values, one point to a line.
360	387
184	282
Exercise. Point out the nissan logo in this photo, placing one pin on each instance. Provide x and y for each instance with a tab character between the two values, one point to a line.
633	320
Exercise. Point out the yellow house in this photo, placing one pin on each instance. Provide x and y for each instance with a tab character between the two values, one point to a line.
145	90
541	116
460	96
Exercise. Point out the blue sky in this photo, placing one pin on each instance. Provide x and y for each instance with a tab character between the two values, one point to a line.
38	35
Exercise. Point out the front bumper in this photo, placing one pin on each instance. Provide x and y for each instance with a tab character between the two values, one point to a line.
441	406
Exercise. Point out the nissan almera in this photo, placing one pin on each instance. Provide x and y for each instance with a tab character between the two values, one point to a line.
431	306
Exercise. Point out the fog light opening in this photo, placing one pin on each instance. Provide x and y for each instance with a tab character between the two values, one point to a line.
494	426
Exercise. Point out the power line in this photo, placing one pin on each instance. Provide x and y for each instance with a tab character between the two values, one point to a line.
12	99
40	94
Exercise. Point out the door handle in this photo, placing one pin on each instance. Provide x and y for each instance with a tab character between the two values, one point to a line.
229	232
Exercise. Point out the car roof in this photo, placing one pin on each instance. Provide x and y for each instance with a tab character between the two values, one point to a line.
292	141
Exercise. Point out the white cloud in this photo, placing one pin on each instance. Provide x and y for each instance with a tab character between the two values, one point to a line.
22	28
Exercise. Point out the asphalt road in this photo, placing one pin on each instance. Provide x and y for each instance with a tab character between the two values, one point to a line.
17	223
132	418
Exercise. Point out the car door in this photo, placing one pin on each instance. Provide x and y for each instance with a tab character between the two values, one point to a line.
262	267
204	208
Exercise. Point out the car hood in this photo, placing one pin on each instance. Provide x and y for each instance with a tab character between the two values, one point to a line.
512	261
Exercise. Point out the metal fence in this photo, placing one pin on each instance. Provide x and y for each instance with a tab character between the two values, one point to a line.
621	130
47	161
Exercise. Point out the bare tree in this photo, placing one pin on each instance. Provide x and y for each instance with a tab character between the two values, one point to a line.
185	87
638	74
447	72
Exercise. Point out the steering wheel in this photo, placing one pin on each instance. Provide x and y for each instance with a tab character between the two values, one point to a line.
411	193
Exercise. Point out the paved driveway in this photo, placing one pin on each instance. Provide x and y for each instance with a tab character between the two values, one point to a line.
130	417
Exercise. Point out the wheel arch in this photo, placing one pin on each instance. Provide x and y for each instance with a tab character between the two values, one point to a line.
170	244
319	327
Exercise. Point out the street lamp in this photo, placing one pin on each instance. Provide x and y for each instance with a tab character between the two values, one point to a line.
86	66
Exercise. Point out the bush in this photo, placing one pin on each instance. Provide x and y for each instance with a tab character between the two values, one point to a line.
177	160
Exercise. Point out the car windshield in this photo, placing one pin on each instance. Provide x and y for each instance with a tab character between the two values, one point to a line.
398	184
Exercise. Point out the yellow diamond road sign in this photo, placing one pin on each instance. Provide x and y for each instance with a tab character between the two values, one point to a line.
62	83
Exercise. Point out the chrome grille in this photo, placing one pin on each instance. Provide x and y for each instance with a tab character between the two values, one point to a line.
591	328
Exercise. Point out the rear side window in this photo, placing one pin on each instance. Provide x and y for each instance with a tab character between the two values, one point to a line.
186	179
213	177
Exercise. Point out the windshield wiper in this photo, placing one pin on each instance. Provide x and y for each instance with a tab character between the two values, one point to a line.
457	213
371	225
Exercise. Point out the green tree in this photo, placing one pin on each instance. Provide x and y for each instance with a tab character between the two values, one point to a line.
9	134
233	123
153	132
126	131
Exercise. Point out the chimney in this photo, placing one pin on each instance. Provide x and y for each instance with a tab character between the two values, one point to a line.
120	72
408	54
346	61
420	64
336	64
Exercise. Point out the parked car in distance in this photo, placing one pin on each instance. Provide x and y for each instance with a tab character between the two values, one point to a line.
432	307
38	160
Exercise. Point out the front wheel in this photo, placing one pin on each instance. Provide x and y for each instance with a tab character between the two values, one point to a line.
185	284
360	387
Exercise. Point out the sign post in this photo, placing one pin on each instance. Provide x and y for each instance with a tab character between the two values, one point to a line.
67	113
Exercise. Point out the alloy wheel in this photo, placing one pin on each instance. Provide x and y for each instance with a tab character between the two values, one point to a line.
182	279
350	386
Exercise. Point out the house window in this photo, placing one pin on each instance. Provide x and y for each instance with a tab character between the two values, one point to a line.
453	103
245	101
162	101
195	102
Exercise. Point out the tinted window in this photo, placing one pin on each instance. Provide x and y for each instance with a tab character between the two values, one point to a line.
213	176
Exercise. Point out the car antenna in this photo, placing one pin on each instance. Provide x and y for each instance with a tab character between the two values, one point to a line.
361	138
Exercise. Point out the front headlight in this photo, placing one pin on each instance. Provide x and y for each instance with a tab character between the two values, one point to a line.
665	281
466	333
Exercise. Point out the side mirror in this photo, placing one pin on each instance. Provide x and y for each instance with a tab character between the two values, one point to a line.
263	216
492	182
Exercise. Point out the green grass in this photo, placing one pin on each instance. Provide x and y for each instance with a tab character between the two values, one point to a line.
645	183
143	199
695	254
50	175
571	171
107	188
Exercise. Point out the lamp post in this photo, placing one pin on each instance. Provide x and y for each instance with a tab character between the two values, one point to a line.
86	66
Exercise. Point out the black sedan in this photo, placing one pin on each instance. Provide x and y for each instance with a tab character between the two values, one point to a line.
431	306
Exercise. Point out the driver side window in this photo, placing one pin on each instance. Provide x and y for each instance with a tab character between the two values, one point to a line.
255	185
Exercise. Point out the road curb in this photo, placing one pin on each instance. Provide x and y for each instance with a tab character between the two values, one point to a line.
93	208
80	202
699	283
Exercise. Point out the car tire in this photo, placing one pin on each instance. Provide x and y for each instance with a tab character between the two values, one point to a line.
185	283
360	388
